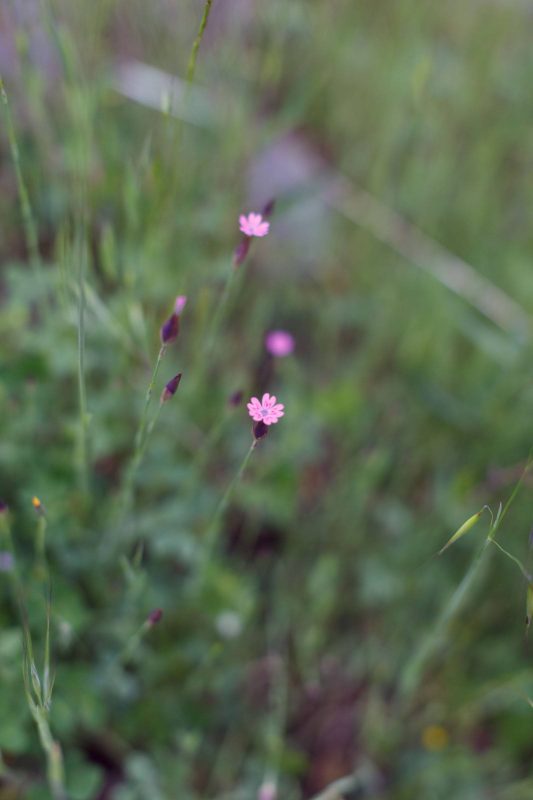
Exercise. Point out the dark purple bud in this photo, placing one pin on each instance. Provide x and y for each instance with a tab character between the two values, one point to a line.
235	399
170	329
241	251
269	208
260	430
3	507
171	388
155	616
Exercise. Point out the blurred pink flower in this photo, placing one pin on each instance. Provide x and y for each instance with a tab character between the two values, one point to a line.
267	791
253	225
279	343
266	410
179	305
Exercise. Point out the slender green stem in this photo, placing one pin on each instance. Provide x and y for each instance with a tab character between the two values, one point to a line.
54	756
518	563
38	694
40	550
415	666
339	788
191	67
222	505
220	310
143	424
229	491
82	389
144	431
30	227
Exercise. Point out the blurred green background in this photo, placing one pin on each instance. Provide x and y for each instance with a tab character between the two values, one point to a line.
396	139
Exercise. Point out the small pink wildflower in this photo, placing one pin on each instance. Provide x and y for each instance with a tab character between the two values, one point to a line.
266	410
253	225
267	791
279	343
179	305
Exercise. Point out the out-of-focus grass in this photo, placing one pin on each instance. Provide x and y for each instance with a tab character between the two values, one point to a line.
406	409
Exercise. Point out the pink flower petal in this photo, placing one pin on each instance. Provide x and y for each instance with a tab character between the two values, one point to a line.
279	343
179	305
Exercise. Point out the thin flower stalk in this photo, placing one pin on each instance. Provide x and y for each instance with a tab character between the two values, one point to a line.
40	542
37	687
251	226
141	438
431	644
214	526
134	642
83	456
264	414
28	220
191	66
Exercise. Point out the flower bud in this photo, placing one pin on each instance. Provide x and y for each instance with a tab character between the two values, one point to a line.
235	399
155	616
171	388
269	208
171	328
241	251
3	507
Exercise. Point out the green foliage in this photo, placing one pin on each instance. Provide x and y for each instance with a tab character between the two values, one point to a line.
284	654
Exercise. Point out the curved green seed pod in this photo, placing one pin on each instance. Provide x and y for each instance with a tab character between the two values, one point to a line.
465	527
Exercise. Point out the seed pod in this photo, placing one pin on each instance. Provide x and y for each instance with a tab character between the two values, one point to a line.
260	430
465	527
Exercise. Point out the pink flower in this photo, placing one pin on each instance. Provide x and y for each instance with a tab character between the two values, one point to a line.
179	305
266	410
267	791
279	343
253	225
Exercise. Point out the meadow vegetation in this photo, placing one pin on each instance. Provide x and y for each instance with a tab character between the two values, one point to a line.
189	625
